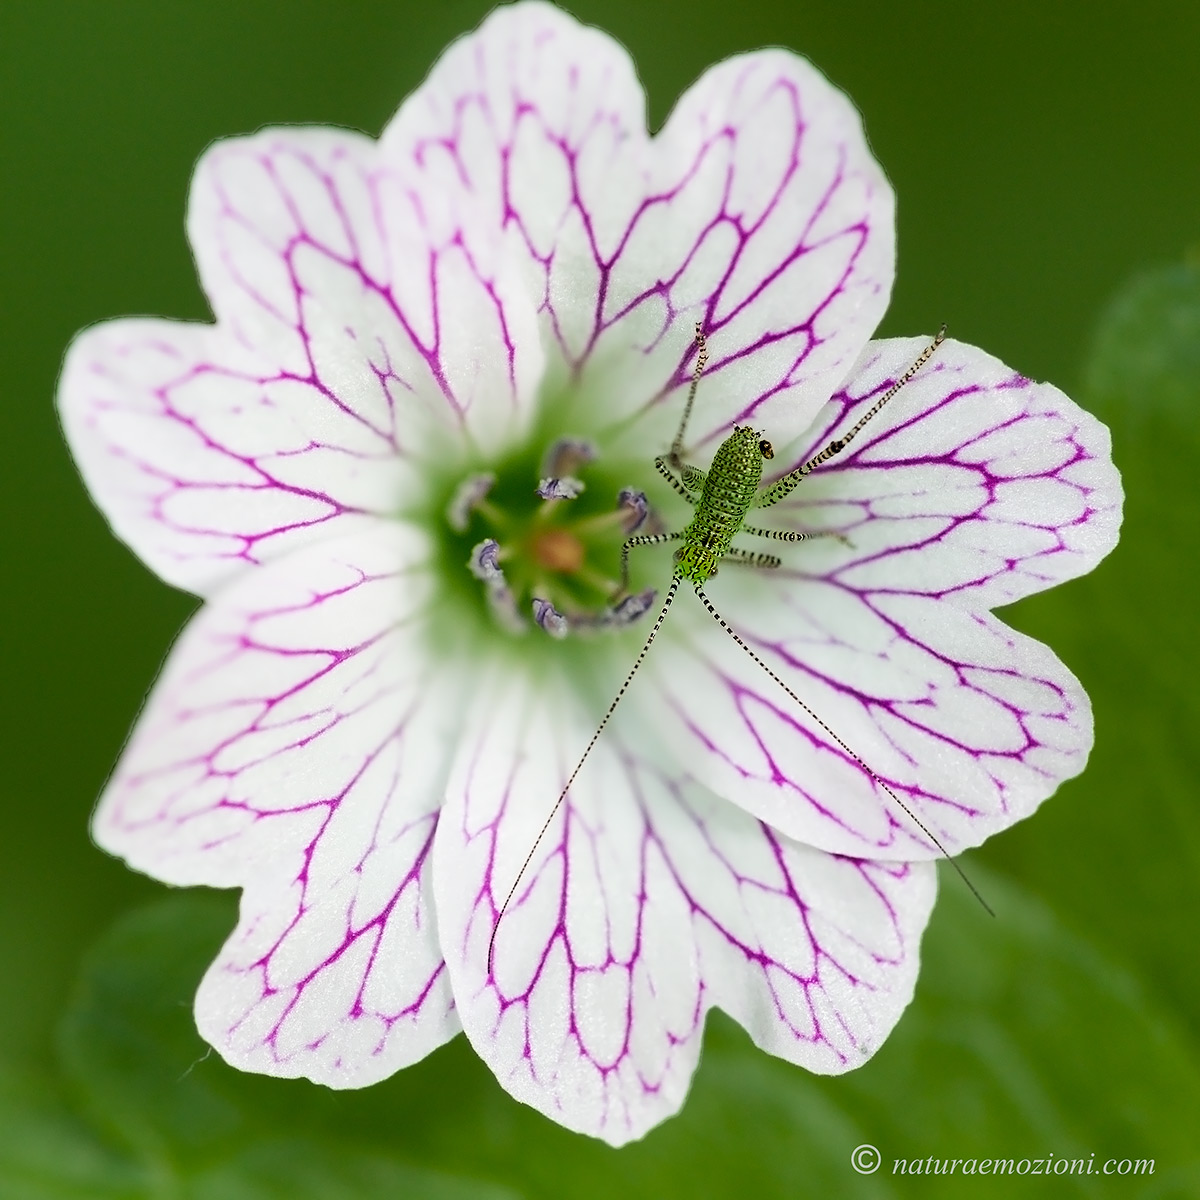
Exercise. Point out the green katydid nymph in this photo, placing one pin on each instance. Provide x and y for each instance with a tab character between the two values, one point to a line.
722	498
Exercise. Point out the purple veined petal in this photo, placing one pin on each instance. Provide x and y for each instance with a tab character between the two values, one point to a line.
647	903
329	381
307	244
204	460
974	485
969	723
766	194
565	1032
758	210
296	746
815	955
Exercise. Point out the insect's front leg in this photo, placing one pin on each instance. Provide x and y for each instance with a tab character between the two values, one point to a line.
644	539
675	458
772	493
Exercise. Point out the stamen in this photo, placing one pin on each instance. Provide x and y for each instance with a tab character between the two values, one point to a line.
549	618
504	607
636	504
566	487
567	455
484	562
467	497
630	609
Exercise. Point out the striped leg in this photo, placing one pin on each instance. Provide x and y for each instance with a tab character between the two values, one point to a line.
748	558
689	473
772	493
790	535
645	539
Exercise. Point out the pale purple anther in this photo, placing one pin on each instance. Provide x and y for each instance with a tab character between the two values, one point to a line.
627	610
566	488
549	618
567	455
467	497
636	506
484	562
347	733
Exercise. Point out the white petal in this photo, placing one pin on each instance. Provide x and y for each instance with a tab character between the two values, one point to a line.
815	955
647	901
321	394
758	210
764	157
972	487
582	1023
970	724
296	747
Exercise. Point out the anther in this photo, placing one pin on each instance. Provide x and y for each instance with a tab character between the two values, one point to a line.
631	608
637	507
567	455
484	562
549	618
467	497
554	487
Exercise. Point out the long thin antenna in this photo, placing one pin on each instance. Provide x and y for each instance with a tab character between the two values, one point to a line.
675	458
911	815
595	737
921	359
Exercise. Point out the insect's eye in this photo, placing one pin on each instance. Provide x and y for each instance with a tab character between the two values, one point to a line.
766	449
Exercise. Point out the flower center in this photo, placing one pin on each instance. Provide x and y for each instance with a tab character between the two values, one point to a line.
558	550
550	554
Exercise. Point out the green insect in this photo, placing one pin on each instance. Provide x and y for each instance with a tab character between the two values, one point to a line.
723	497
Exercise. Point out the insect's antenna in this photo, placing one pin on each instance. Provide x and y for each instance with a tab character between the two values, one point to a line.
512	891
675	458
911	815
922	359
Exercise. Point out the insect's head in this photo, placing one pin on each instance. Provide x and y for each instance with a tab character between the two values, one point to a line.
748	436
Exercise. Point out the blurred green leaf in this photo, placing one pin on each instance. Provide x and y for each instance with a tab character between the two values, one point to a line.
1022	1041
302	1170
48	1152
189	1126
1144	368
1117	851
128	1041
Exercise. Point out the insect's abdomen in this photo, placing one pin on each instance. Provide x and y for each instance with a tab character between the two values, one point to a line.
729	489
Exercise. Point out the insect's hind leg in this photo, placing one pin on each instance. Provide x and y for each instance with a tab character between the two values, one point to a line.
748	558
790	535
720	620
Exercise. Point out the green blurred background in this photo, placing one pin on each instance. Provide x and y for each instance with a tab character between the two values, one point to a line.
1046	158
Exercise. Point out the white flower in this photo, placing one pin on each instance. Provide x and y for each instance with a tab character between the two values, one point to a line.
367	723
